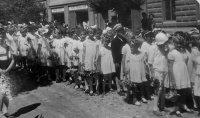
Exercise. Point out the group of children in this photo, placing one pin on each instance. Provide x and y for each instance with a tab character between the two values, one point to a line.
154	63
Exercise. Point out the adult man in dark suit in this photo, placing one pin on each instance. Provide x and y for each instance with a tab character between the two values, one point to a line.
116	47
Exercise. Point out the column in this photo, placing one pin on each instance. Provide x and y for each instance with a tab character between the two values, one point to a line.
49	15
91	18
136	20
66	14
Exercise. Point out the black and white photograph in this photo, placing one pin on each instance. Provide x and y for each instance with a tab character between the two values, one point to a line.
99	58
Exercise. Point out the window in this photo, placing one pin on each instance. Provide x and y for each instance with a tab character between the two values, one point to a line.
170	9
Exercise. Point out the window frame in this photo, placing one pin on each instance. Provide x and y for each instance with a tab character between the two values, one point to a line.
171	11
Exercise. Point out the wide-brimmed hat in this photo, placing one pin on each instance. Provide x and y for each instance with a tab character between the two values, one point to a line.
161	38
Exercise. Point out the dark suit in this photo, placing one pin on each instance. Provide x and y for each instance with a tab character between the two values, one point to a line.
116	47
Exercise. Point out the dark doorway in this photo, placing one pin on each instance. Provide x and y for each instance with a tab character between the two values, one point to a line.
59	17
82	16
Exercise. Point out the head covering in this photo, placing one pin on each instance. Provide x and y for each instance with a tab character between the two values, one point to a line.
117	27
136	42
161	38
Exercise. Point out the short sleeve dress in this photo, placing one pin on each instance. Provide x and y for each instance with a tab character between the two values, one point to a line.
90	54
126	50
180	70
107	64
197	77
137	69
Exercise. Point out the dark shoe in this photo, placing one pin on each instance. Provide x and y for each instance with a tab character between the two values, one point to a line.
177	113
103	94
97	93
57	80
87	91
127	100
166	110
91	94
121	93
157	113
112	90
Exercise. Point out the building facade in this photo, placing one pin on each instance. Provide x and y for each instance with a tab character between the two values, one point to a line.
73	13
174	15
170	15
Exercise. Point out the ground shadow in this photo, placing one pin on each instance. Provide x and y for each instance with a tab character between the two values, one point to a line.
26	109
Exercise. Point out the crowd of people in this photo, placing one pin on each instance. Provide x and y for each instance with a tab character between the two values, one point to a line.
142	66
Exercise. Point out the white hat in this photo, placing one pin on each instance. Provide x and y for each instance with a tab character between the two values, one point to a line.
161	38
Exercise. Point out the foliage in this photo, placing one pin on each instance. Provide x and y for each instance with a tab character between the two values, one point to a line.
119	6
20	10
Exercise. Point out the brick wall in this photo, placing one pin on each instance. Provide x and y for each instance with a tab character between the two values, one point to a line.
185	13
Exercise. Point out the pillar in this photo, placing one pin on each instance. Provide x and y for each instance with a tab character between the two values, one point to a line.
91	16
136	20
49	15
66	14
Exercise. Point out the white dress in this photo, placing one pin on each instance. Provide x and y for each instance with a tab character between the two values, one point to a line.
45	52
23	46
180	70
60	50
145	47
34	41
126	50
136	68
90	54
107	64
197	78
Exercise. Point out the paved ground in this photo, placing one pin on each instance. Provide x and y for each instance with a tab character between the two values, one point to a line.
61	101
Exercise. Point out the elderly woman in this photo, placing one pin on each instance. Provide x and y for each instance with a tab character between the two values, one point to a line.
6	64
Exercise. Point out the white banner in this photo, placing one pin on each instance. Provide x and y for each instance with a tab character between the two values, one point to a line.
80	7
57	10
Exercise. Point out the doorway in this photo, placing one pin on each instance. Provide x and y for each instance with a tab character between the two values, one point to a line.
59	17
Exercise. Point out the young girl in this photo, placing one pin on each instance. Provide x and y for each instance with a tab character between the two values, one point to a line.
23	48
159	70
44	52
32	39
196	74
97	76
89	57
136	70
107	64
59	44
180	71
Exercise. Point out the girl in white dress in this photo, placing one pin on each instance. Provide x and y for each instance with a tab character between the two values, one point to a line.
44	51
180	71
23	48
106	64
97	76
196	73
32	39
136	70
59	44
89	57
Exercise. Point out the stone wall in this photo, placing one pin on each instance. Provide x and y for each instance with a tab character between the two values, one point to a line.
186	13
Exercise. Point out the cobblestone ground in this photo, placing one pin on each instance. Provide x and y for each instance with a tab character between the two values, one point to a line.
63	101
